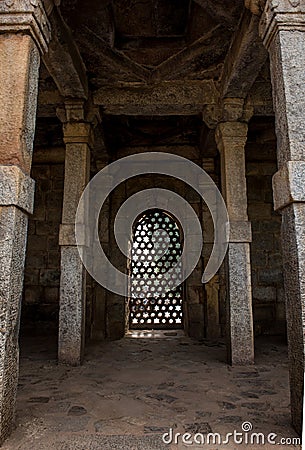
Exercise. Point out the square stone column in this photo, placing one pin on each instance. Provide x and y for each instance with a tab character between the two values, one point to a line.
24	33
231	138
78	137
282	29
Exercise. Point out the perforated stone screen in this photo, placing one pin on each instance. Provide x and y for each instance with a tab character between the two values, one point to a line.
156	248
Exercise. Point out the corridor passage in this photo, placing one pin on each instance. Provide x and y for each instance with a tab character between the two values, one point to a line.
129	393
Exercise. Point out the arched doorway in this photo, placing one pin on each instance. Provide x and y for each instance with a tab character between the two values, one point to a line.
156	247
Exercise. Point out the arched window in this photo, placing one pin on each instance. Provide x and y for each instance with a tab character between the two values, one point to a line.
156	248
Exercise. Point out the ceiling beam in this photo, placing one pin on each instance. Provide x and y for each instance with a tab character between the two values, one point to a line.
115	58
166	98
244	60
255	6
63	60
219	11
204	46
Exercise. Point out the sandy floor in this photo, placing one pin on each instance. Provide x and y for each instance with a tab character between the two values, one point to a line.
129	393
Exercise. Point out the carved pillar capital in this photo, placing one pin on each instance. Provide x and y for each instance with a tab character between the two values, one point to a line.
79	119
236	110
228	110
27	16
281	15
211	115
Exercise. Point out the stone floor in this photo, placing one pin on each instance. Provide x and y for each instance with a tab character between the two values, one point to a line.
129	393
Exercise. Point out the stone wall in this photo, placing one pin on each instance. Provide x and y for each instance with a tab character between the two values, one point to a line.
42	269
267	271
110	311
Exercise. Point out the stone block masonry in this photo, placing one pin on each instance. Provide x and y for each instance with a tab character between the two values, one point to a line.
42	269
266	254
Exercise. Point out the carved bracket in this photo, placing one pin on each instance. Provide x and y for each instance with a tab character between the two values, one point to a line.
79	119
281	15
77	110
227	110
26	16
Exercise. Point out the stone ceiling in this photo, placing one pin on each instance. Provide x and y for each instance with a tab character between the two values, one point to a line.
151	40
151	66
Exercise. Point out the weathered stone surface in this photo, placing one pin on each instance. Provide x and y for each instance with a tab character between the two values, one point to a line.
13	229
231	139
19	62
293	239
49	277
235	109
264	293
240	231
266	259
152	42
113	386
273	276
78	132
288	184
281	15
213	330
77	166
282	29
77	411
21	16
67	234
245	59
240	325
17	118
56	155
72	307
42	265
64	61
16	189
78	138
167	98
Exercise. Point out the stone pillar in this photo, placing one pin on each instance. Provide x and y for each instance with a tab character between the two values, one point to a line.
78	137
282	29
231	138
212	312
213	330
24	33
